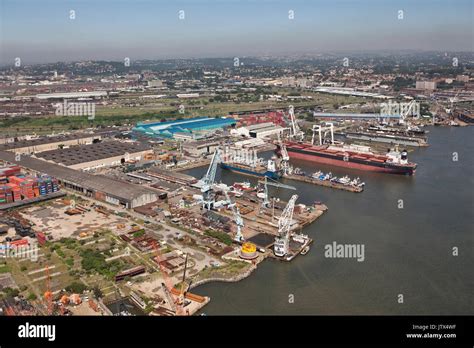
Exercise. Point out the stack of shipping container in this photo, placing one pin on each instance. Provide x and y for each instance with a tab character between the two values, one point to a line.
249	119
15	186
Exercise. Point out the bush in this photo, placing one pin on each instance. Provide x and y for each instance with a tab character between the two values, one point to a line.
223	237
76	287
93	260
97	292
32	297
11	292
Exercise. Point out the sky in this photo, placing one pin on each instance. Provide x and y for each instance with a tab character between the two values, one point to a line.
40	31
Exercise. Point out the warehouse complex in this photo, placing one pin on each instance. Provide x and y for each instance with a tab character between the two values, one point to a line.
49	143
193	126
100	187
97	155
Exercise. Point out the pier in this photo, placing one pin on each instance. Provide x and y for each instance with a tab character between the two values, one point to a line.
325	183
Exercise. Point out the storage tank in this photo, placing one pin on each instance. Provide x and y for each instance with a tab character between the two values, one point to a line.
248	251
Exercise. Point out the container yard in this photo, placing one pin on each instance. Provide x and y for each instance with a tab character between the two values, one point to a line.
17	188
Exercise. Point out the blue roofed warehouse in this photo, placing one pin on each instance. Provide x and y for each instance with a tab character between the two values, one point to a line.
190	125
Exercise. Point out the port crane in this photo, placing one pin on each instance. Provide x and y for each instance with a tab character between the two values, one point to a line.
182	293
48	295
285	158
406	111
239	222
318	128
266	182
295	131
167	285
207	182
452	100
282	241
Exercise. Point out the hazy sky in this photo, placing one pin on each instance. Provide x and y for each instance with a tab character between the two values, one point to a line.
41	30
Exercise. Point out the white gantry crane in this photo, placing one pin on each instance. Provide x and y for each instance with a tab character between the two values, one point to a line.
295	131
318	128
207	182
282	242
239	222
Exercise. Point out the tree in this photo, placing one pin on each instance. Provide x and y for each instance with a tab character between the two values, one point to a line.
97	292
76	287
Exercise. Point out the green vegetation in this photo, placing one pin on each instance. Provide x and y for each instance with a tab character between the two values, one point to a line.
138	233
4	268
221	236
10	292
93	260
97	292
76	287
60	253
32	297
69	261
70	243
231	269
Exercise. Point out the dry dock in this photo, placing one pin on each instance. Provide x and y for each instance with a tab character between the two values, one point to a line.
326	183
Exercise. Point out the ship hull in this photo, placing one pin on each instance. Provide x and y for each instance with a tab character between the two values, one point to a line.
350	163
249	171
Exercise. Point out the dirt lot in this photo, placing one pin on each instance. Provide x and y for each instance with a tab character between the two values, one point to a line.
52	220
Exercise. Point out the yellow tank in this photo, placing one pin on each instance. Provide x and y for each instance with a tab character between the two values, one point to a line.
248	251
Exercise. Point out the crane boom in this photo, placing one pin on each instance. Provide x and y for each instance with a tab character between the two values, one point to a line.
274	183
282	242
239	222
297	133
207	181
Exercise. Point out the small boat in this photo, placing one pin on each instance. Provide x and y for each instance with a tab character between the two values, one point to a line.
305	250
344	180
235	191
244	186
298	171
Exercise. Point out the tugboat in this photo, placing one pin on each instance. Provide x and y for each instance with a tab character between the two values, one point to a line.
305	250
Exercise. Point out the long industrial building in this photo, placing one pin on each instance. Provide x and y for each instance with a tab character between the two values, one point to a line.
100	187
97	155
259	130
189	125
49	143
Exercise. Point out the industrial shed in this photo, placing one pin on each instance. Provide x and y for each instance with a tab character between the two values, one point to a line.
100	187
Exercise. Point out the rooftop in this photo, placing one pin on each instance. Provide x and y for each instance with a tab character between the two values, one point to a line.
46	140
189	125
92	152
113	187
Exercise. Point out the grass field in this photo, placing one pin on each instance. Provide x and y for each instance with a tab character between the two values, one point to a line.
122	114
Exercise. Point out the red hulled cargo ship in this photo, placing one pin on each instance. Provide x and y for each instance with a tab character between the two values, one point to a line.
352	156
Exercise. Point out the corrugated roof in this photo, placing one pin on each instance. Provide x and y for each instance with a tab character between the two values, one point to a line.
110	186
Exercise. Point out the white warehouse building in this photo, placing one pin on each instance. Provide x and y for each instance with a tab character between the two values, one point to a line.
259	130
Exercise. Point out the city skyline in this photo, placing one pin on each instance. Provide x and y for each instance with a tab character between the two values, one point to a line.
113	30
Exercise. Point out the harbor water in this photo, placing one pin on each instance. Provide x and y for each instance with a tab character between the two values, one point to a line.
407	225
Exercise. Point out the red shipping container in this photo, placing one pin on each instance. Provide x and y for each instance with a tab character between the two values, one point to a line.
40	236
